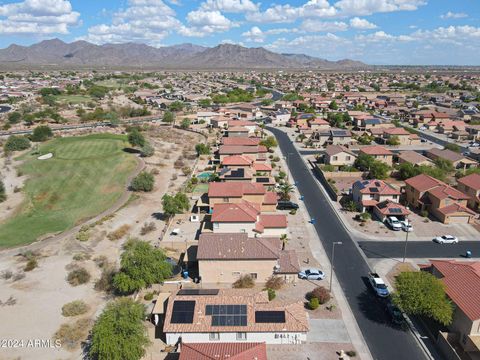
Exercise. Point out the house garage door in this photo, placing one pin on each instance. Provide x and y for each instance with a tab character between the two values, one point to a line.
458	219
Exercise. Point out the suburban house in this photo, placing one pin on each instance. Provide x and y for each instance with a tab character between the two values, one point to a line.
237	131
332	137
403	136
318	124
231	192
470	185
368	193
205	117
462	285
387	208
414	158
338	155
257	152
426	116
241	141
223	351
244	168
444	202
223	258
246	217
458	160
232	316
378	153
281	117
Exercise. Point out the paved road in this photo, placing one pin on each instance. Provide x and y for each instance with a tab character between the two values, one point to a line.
384	341
418	249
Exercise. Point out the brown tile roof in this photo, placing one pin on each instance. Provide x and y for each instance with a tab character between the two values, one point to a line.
472	181
337	149
455	208
223	351
295	316
261	167
396	131
233	212
375	186
288	262
241	149
375	150
241	141
412	157
462	281
446	191
445	154
423	182
237	246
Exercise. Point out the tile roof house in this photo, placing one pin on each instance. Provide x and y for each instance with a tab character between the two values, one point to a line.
223	258
403	136
257	152
338	155
470	185
241	141
414	158
368	193
443	201
462	285
378	153
223	351
232	316
244	168
232	192
458	160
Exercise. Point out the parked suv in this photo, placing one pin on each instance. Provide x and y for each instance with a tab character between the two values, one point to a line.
393	223
286	205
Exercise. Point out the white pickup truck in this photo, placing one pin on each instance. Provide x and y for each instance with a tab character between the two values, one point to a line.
378	285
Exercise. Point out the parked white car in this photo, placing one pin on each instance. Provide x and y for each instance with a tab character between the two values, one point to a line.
446	239
393	223
406	226
311	274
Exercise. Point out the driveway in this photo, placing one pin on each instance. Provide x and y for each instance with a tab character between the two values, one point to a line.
327	330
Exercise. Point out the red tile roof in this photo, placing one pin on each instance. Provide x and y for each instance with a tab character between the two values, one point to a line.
237	160
455	208
462	282
273	221
446	191
241	149
270	198
472	181
396	131
384	208
223	351
232	189
375	187
261	167
241	212
375	150
242	141
423	182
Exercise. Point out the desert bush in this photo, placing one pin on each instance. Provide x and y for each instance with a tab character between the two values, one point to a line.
313	303
7	274
119	233
147	228
83	235
351	353
148	296
274	283
244	282
81	256
271	294
74	308
31	264
72	334
101	261
105	282
143	182
78	276
320	293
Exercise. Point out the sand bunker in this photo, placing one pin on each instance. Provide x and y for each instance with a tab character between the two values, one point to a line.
45	157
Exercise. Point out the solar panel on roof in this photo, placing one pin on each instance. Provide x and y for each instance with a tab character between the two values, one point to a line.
227	315
187	292
395	211
377	184
269	316
182	312
373	190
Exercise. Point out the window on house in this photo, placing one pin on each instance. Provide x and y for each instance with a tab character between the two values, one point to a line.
395	197
348	158
253	276
225	199
241	336
216	225
214	336
243	230
335	158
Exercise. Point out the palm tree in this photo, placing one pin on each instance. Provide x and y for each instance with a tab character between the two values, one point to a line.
284	191
284	240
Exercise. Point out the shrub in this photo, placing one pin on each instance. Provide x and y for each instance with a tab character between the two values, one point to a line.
148	296
119	233
320	293
81	256
244	282
147	150
313	304
271	294
78	277
16	143
424	213
143	182
72	334
147	228
83	235
31	264
7	274
202	149
101	261
105	282
74	308
41	133
274	283
351	353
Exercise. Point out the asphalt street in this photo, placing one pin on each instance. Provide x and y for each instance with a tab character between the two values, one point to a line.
419	249
384	340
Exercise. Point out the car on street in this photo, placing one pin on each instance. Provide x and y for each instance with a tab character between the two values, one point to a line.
446	239
393	223
474	144
378	285
395	313
311	274
287	205
407	226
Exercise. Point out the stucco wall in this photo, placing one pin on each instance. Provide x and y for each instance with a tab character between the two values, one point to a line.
267	337
228	271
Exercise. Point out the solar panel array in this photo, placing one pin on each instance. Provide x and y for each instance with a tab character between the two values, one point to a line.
269	316
227	315
189	292
395	211
182	312
373	189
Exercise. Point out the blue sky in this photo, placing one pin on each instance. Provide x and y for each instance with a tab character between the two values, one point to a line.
374	31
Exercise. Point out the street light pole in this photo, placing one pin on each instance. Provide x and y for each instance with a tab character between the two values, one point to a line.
331	262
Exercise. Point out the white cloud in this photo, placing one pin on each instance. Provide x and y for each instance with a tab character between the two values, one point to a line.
287	13
368	7
230	6
204	22
146	21
255	34
361	24
310	25
452	15
38	17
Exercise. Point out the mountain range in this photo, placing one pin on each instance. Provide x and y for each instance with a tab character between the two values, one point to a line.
81	54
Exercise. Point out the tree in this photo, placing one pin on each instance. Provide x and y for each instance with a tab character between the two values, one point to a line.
364	162
269	142
284	191
98	92
3	193
14	117
205	102
407	171
119	332
421	293
147	150
176	106
169	117
453	147
16	143
393	140
333	105
185	124
202	149
41	133
444	164
143	182
379	170
141	265
175	204
136	139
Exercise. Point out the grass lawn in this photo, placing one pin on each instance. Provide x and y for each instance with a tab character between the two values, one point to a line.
74	99
85	177
200	188
113	83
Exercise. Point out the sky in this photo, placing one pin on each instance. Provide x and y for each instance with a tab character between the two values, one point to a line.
395	32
